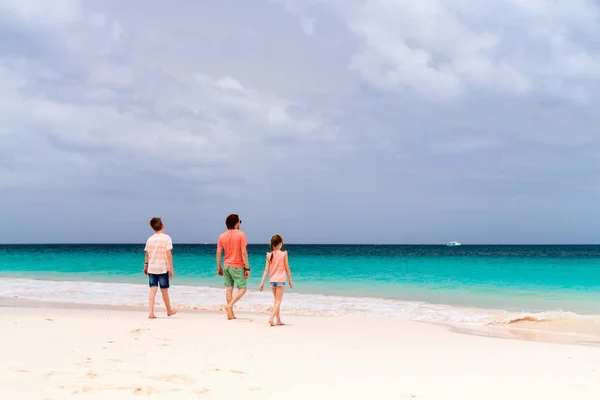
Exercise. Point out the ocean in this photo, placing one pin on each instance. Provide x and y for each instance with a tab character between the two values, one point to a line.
464	285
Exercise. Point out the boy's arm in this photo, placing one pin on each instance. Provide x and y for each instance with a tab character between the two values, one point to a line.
146	264
170	257
287	269
170	262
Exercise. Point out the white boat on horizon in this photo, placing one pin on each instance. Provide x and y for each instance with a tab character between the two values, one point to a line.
454	243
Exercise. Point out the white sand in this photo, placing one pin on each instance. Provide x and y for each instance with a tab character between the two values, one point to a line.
50	353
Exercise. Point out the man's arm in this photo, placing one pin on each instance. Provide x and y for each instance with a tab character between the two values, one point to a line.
219	253
243	245
246	264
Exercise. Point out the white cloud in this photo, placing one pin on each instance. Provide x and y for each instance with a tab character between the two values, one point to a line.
94	109
442	50
230	83
307	23
46	14
336	119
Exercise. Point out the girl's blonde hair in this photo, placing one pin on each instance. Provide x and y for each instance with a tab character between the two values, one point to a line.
276	240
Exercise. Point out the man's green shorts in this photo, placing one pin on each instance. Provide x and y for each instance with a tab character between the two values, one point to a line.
234	275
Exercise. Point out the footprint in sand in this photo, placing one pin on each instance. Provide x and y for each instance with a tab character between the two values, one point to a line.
50	374
49	319
173	378
84	389
235	371
138	331
139	390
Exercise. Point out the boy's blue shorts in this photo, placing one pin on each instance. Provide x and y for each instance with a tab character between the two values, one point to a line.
156	279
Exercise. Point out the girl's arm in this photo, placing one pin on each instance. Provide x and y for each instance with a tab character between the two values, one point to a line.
287	269
262	282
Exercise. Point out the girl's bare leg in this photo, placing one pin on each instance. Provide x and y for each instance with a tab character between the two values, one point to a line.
278	299
271	318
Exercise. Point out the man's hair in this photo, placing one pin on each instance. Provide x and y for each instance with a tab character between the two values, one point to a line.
231	221
156	224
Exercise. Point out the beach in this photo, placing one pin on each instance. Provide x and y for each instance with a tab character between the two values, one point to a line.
60	351
487	322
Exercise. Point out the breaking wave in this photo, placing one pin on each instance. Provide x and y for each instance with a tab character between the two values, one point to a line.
209	298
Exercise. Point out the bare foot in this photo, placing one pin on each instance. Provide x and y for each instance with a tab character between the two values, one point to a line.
173	312
280	323
272	323
152	316
229	313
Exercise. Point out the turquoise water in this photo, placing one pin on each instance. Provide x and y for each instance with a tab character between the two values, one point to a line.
536	278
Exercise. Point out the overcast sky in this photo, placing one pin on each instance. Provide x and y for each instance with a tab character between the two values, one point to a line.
340	121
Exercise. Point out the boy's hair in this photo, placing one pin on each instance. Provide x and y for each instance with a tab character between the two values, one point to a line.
156	224
231	221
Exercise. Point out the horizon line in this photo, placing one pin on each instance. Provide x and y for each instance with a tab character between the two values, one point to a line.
306	244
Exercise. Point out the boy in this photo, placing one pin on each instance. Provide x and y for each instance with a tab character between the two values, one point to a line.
159	265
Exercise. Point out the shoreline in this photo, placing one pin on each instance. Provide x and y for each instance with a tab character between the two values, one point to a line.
549	326
477	298
521	331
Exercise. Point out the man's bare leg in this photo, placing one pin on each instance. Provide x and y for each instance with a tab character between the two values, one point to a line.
229	294
228	297
151	301
167	301
229	307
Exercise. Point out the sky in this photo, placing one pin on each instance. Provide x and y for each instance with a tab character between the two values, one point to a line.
354	121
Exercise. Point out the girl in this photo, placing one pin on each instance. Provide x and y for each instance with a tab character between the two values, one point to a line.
277	264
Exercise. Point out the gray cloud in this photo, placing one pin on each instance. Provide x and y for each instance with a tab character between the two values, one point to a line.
322	120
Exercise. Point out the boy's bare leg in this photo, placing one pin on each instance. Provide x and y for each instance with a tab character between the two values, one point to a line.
151	300
167	301
229	307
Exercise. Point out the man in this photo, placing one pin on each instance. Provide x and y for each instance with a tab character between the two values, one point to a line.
236	269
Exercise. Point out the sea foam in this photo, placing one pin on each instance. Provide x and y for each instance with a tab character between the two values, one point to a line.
210	298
